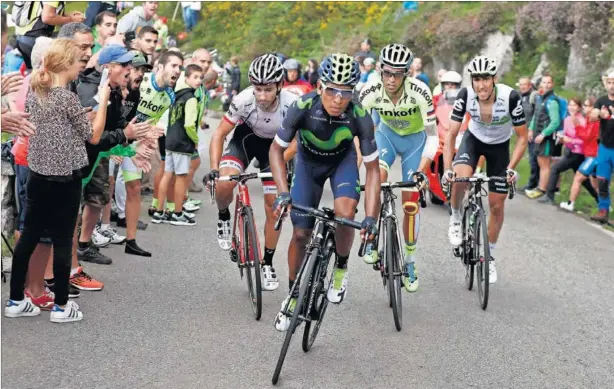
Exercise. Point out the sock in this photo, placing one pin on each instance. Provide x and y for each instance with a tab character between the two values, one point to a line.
268	256
410	253
130	242
342	262
456	215
571	203
492	247
224	214
83	245
178	214
154	203
50	281
290	283
170	206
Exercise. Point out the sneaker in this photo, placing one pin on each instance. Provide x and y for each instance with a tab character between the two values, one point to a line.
73	292
83	281
182	220
193	201
190	207
535	193
92	254
44	301
282	321
492	271
189	215
337	286
269	278
67	314
567	206
371	255
223	234
546	200
194	187
111	234
100	240
410	281
151	210
161	217
21	308
454	233
7	264
601	216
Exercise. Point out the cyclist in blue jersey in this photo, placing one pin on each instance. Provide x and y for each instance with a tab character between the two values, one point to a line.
326	122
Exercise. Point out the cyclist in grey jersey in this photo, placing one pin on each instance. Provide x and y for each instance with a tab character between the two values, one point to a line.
495	110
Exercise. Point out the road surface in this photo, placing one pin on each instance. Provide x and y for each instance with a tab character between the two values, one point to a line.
182	318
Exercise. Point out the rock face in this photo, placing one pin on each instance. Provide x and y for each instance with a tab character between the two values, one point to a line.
541	68
498	47
576	69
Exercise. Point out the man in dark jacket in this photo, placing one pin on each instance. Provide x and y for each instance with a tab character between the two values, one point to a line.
96	194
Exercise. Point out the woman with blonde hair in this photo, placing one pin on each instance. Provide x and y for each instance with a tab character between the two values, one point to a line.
56	154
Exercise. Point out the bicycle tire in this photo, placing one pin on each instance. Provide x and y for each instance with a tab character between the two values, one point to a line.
252	255
304	285
467	257
318	291
393	270
483	263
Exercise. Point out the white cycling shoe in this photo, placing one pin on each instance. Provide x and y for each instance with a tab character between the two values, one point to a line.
454	233
223	234
269	278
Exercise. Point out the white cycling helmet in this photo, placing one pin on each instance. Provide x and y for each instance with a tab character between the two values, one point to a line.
397	56
266	69
482	66
452	77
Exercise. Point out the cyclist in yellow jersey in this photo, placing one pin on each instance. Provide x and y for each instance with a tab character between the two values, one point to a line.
404	118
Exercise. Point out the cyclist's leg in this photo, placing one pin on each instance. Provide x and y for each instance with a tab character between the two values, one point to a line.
410	160
344	182
387	142
497	160
465	160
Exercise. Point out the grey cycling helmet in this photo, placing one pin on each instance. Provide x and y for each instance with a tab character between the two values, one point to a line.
397	56
339	69
292	64
482	66
266	69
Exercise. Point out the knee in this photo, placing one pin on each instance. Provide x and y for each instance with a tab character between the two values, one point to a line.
133	188
346	212
496	208
301	236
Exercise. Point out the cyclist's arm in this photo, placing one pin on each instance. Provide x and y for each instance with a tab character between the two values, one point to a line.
358	153
370	158
520	127
456	120
291	150
216	146
286	134
430	128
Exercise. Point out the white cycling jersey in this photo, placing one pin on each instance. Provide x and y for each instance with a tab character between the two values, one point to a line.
507	113
244	109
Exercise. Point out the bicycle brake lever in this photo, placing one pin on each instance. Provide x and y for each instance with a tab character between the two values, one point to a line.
279	219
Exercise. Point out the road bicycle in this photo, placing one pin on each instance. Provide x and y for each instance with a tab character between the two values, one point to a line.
390	262
312	279
245	250
474	250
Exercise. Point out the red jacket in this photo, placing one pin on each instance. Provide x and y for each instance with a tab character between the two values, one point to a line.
589	134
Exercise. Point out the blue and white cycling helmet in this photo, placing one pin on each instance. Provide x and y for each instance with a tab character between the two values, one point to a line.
339	69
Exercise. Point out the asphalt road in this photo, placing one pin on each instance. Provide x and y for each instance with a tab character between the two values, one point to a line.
182	318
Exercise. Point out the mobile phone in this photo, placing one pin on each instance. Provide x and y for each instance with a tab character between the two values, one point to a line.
104	77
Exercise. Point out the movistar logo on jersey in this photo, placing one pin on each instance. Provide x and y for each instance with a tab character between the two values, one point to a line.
302	104
340	134
359	111
396	114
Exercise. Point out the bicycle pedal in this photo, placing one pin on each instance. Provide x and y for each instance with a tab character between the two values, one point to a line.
376	266
233	255
457	251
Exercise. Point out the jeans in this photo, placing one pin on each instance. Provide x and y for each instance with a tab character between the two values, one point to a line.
51	206
190	18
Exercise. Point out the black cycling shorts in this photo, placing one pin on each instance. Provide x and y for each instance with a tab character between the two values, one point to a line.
497	158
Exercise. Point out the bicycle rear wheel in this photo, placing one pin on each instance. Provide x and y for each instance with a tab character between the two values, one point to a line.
482	254
317	294
467	249
305	279
252	260
393	269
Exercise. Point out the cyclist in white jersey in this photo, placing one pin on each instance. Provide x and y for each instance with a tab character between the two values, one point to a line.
255	115
496	111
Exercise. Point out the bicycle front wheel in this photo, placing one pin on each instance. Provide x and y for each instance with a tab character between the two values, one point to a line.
467	249
317	294
393	269
482	254
252	261
305	281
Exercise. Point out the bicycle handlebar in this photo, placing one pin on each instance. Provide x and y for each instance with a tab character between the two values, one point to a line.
325	216
403	184
239	178
481	179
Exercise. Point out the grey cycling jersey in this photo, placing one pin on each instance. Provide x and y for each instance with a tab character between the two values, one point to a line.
507	113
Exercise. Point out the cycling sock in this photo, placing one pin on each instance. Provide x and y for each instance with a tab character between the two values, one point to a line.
342	262
410	253
290	283
170	206
223	214
268	256
154	203
83	245
456	215
492	247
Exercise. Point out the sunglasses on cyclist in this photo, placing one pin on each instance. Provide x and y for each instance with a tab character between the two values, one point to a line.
389	74
334	92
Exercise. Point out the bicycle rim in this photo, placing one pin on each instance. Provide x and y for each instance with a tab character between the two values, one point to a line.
467	247
304	286
394	272
483	258
252	256
320	302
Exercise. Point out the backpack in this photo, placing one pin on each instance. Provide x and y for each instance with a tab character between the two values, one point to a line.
562	109
21	14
